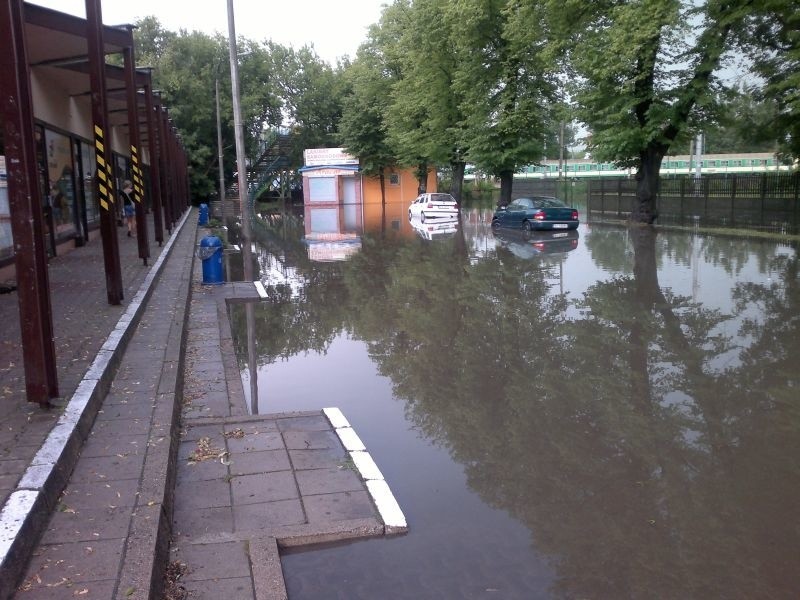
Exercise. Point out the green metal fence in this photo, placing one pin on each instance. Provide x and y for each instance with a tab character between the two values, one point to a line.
760	201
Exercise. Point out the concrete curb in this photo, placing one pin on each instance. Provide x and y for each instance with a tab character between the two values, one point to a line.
24	516
393	518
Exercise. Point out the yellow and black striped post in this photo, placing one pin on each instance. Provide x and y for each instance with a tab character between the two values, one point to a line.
105	174
138	182
105	179
133	134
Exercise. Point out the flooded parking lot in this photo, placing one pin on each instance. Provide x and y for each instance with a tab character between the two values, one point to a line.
612	414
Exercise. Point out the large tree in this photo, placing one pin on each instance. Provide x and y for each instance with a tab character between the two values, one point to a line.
644	71
312	92
745	122
362	129
186	66
773	39
506	84
428	109
407	126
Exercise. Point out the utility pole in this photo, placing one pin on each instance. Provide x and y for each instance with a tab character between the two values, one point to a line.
241	166
219	147
561	172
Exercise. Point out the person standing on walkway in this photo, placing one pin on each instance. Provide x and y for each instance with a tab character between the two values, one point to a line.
127	206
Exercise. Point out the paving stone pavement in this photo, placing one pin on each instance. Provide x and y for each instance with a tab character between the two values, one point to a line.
83	323
228	489
102	536
249	484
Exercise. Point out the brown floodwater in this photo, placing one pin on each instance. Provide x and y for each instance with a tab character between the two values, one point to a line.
612	414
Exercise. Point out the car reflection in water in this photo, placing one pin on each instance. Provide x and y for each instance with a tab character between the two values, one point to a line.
431	229
529	244
331	247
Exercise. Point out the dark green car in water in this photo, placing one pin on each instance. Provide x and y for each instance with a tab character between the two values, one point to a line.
536	213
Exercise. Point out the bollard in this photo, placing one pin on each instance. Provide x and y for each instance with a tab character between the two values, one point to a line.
203	220
210	252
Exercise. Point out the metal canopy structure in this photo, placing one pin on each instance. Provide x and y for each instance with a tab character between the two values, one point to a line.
69	54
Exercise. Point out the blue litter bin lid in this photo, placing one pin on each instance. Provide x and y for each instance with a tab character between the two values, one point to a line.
208	246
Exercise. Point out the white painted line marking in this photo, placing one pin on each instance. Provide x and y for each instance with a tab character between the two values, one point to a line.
366	466
392	516
262	292
336	417
350	439
35	477
15	511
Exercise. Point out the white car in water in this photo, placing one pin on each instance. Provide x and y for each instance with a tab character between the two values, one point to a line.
433	205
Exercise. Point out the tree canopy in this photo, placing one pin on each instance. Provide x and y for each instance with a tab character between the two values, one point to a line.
489	82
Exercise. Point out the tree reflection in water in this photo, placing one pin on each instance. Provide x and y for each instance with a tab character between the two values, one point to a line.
650	446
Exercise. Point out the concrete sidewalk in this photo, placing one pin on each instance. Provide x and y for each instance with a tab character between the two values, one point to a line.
82	323
121	365
243	481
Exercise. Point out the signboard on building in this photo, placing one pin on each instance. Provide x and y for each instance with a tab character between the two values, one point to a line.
328	173
316	157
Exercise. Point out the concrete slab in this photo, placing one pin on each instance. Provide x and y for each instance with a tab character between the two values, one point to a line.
342	506
268	516
198	522
259	462
255	442
310	440
87	525
79	496
77	562
317	459
263	487
209	562
235	588
202	494
312	423
326	481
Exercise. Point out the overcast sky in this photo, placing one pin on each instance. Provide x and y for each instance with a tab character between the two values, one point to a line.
336	28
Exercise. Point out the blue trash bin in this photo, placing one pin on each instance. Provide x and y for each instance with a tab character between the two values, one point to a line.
210	252
203	220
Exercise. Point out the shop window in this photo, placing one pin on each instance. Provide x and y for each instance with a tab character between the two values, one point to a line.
86	184
6	242
60	194
322	189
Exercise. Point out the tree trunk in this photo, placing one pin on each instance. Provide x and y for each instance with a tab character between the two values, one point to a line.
457	185
506	183
383	199
647	186
422	177
382	179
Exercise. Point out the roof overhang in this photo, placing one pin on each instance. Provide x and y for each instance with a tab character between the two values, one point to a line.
58	48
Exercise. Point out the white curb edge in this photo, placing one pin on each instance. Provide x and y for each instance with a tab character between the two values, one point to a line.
394	520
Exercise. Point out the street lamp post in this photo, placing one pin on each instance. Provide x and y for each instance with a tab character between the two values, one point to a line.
241	165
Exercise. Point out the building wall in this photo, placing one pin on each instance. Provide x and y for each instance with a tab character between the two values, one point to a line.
404	191
55	108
